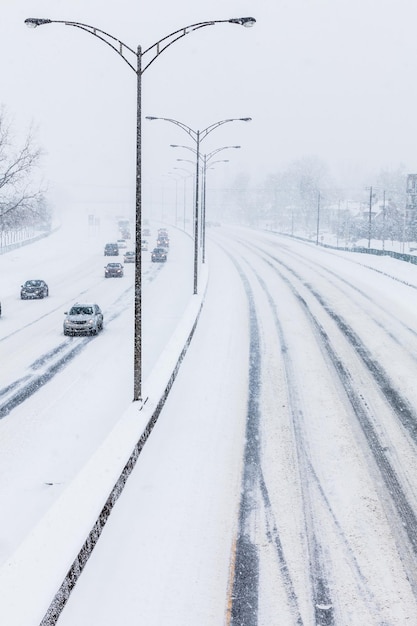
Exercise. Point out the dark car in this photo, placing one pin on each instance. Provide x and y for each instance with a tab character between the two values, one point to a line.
34	289
159	255
113	270
83	319
111	249
162	242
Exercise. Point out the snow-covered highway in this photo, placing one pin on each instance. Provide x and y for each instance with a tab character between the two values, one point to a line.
278	485
325	533
46	439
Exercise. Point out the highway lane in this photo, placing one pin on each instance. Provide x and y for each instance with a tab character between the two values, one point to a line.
302	366
352	418
48	437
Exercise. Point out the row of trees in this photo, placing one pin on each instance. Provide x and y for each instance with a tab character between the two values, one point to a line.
22	196
304	199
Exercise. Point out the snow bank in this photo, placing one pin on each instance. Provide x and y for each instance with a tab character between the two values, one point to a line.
37	579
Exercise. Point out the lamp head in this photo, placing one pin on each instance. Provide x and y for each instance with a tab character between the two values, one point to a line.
245	119
247	22
151	117
33	22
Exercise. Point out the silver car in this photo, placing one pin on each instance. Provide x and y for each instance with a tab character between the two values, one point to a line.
83	319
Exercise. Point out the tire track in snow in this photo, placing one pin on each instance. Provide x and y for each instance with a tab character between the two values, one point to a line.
47	365
321	594
326	271
312	491
245	592
406	517
244	610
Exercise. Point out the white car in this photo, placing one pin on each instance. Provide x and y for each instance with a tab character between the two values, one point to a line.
121	243
83	319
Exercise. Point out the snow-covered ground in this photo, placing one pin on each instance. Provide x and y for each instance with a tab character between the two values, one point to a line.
289	431
49	437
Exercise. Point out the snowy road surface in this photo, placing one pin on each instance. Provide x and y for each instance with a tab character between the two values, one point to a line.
312	353
278	486
46	439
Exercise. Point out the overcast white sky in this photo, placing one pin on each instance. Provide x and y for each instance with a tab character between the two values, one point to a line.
332	78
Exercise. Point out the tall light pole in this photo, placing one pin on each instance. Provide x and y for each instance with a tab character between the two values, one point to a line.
139	60
198	136
175	177
318	218
207	165
184	180
206	159
371	196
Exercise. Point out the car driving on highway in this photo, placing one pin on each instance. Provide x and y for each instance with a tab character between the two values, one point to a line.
111	249
34	289
83	319
113	270
159	255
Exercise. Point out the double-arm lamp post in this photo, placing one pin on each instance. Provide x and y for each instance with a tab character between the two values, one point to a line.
184	180
206	165
206	158
198	136
139	60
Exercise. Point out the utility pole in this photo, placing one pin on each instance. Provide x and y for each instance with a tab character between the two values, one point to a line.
318	219
383	222
370	218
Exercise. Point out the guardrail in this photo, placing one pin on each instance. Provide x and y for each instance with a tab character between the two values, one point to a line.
24	242
401	256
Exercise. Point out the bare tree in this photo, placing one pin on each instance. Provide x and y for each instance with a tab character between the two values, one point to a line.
22	200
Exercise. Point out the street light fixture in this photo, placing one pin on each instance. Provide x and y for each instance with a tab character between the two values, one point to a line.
209	155
197	136
184	180
188	160
208	165
139	60
206	159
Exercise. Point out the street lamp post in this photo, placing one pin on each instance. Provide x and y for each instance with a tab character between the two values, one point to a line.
206	166
184	180
318	219
371	196
139	60
175	177
206	159
198	136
